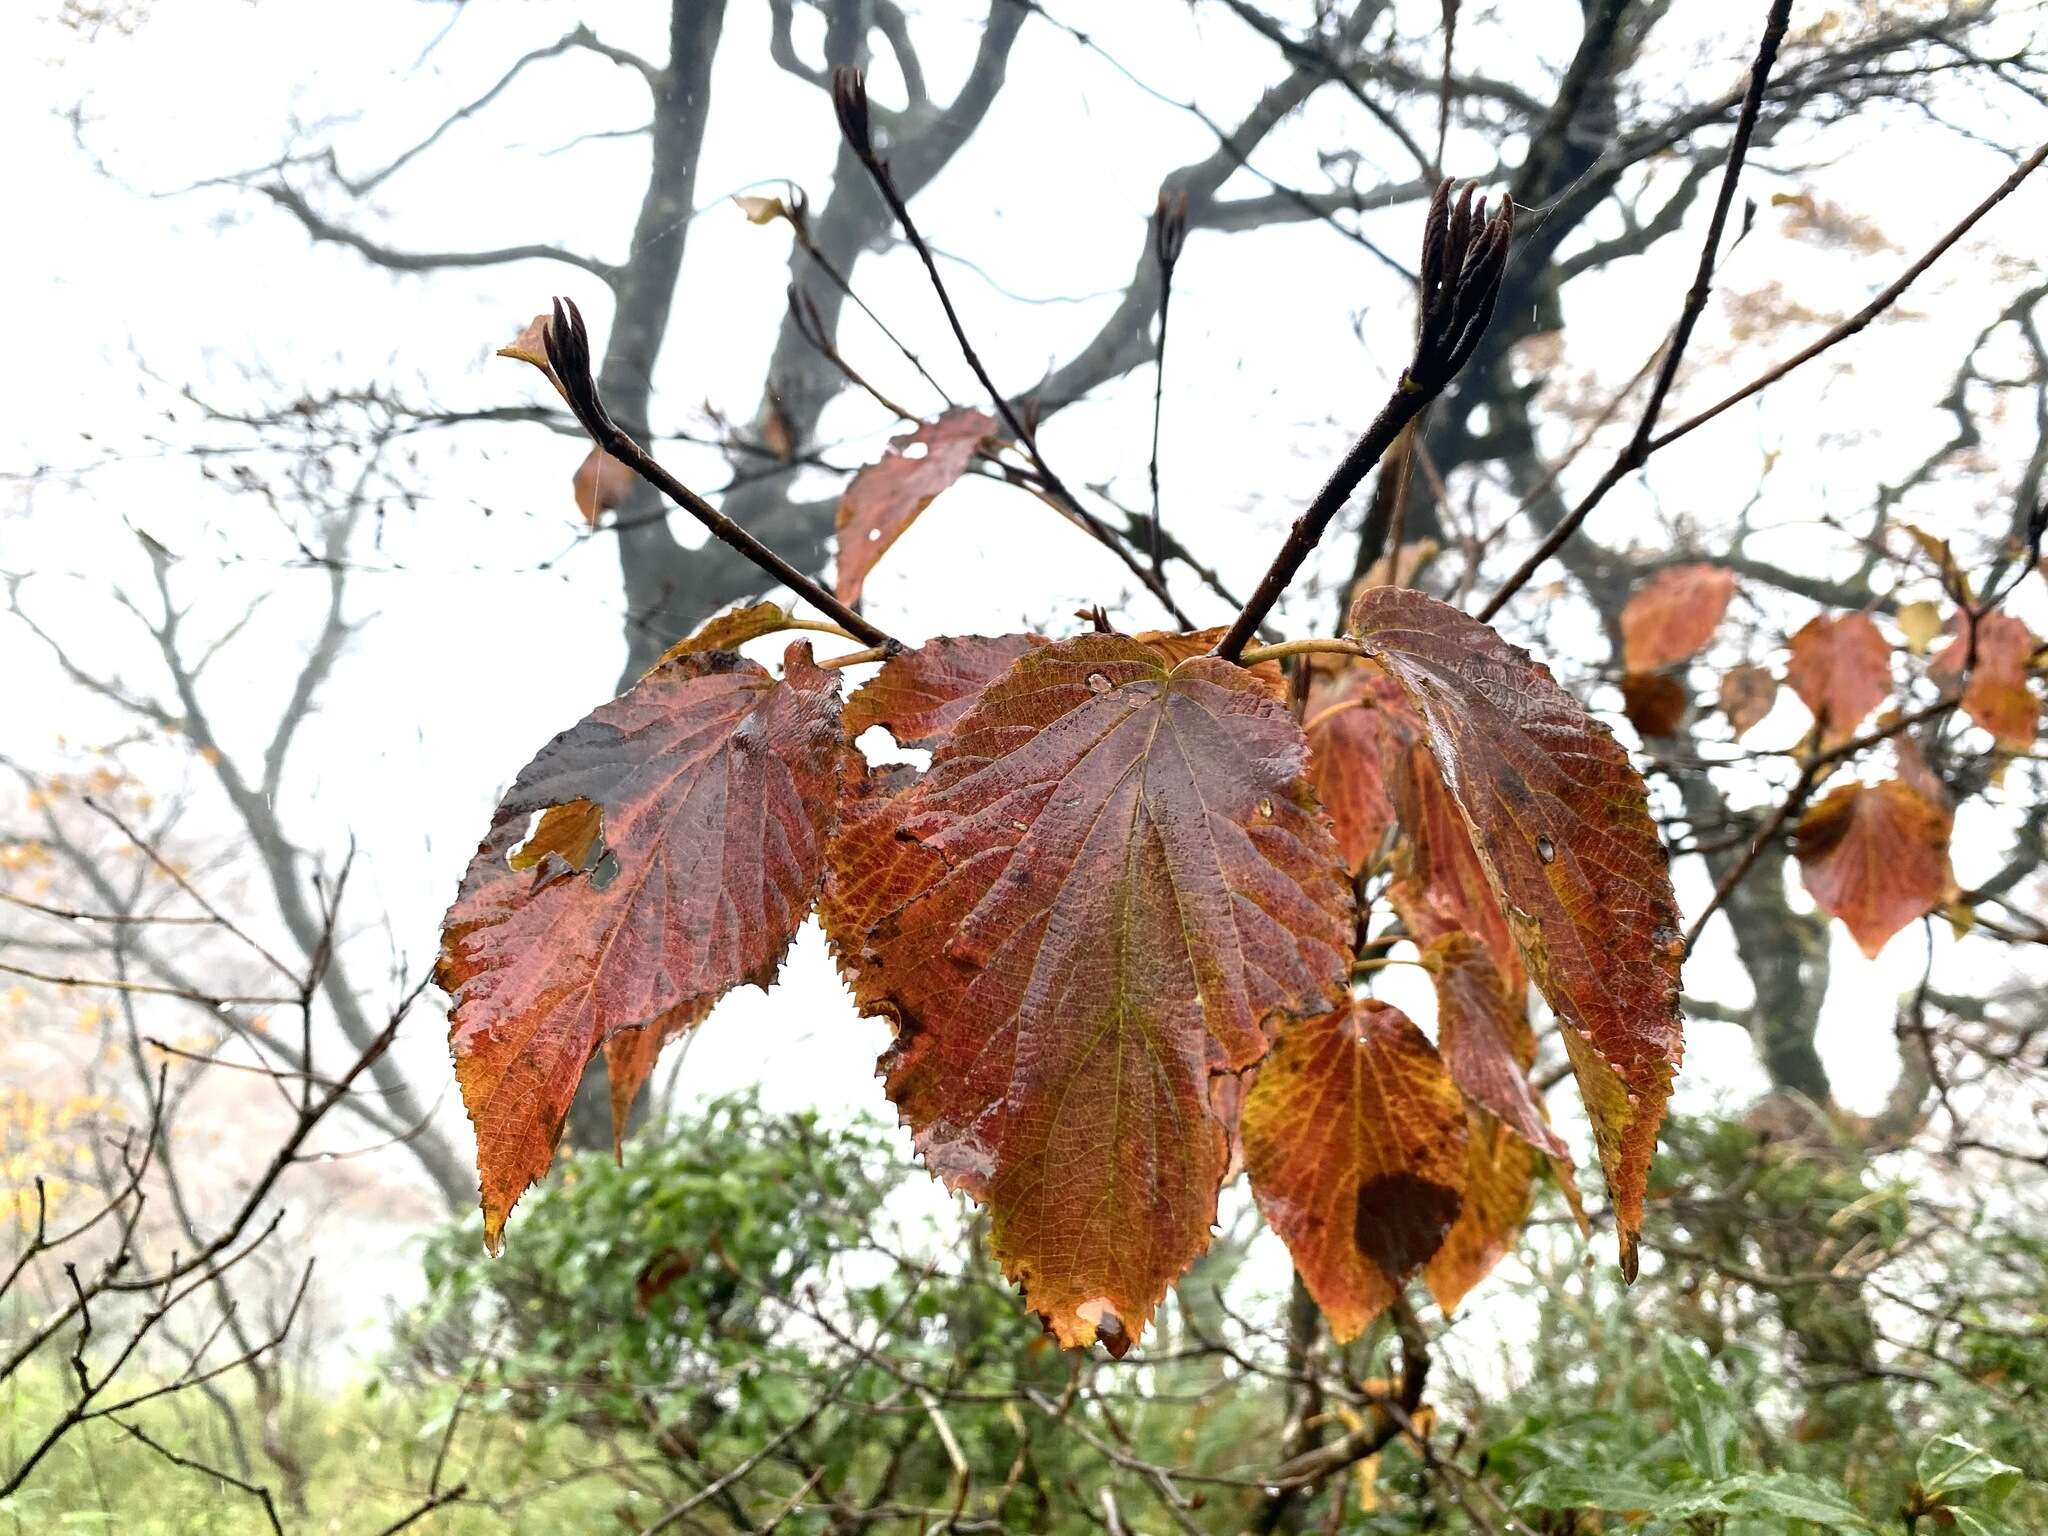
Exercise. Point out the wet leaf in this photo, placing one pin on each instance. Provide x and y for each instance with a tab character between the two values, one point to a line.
1174	647
732	629
1671	616
1747	695
1110	883
1655	702
885	498
601	483
1484	1037
1841	669
1359	726
716	788
1560	822
1875	856
1354	1137
1996	696
630	1055
1500	1182
1443	885
919	695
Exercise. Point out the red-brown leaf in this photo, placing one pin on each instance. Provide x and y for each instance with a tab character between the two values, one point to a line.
1655	702
1561	822
1484	1037
1841	669
1876	856
1359	726
1444	886
1500	1178
886	497
630	1055
1109	883
1997	696
919	695
601	483
1671	616
1354	1136
717	787
1747	694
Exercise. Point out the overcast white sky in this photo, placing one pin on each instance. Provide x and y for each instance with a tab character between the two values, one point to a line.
490	622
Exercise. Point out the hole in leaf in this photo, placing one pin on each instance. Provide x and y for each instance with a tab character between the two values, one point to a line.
573	832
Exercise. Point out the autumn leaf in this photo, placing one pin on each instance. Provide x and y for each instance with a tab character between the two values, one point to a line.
760	210
1560	822
1500	1180
1354	1137
1112	880
715	788
1747	695
1671	616
630	1055
1841	669
1920	623
1655	702
919	695
885	498
1875	856
732	629
1359	726
531	346
1443	885
1484	1037
601	484
1996	696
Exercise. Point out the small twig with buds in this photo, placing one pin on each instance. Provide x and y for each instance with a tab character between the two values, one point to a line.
1464	253
568	345
850	102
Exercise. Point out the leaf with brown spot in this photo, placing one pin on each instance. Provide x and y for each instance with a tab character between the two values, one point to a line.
1110	882
1875	856
1561	823
1500	1183
1671	616
919	696
1655	702
1354	1137
717	787
1747	695
601	483
1484	1037
885	498
1841	669
1359	726
1997	696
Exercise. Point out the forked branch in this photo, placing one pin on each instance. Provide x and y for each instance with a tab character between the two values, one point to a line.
1464	253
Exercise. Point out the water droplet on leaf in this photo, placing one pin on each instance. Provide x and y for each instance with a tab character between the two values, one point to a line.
1546	850
1097	683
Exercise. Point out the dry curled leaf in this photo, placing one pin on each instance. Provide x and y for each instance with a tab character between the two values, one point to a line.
1560	821
1359	726
1747	695
1112	880
1672	615
1354	1137
1997	695
1875	856
732	629
885	498
602	484
1841	668
715	785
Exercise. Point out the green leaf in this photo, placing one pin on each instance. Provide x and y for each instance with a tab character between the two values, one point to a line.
1790	1496
1706	1415
1951	1470
1583	1488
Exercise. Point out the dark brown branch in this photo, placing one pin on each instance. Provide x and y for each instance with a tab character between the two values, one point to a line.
322	228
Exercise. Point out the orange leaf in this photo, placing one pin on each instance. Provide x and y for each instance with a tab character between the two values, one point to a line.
1671	616
1443	886
1354	1136
886	497
1997	696
1655	702
1841	669
601	483
1500	1178
630	1055
1359	726
1876	856
1111	881
716	784
1747	694
1561	823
